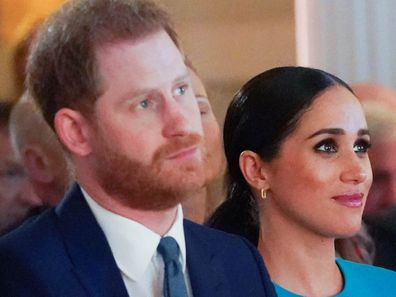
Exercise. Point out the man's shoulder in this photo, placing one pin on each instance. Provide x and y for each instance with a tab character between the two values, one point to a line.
215	236
218	253
220	243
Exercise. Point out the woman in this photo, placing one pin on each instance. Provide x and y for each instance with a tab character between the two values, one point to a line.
296	144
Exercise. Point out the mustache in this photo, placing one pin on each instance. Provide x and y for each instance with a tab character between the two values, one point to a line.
179	143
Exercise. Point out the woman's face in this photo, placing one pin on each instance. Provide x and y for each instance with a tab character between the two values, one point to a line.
321	177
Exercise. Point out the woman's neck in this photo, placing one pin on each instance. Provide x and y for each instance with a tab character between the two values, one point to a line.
299	260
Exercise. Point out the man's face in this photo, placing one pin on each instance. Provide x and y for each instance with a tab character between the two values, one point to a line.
147	134
16	195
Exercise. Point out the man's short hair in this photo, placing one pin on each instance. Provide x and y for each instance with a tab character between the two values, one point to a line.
62	69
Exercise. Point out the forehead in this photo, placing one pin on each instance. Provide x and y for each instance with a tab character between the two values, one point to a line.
336	107
153	58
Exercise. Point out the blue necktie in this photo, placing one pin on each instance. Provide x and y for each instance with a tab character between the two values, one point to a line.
174	285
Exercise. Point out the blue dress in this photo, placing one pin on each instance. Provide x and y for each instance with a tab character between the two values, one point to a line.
360	280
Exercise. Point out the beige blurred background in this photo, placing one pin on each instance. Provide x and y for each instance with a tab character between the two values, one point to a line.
229	41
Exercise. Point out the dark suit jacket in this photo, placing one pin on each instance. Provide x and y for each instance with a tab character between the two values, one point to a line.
64	253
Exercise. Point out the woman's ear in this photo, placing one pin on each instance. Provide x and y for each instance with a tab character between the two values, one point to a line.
73	130
254	170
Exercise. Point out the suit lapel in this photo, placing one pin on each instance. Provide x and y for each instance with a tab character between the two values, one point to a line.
88	249
205	271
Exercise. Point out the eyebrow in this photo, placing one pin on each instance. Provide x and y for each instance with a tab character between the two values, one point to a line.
182	77
144	91
337	131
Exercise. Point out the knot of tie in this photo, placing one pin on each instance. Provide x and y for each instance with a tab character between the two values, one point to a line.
174	284
168	249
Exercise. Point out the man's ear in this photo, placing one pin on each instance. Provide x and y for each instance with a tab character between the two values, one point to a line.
73	130
254	170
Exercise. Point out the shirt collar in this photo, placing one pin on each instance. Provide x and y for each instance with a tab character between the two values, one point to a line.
133	245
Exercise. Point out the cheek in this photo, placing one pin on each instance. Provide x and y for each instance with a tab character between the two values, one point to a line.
305	176
211	135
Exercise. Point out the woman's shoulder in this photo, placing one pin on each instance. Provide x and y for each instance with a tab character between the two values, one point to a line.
364	270
366	280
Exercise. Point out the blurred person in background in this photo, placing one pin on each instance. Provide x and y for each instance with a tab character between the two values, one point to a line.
20	57
375	92
381	213
201	204
380	106
382	125
39	151
17	199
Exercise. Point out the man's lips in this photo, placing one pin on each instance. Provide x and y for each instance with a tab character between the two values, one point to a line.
354	200
183	153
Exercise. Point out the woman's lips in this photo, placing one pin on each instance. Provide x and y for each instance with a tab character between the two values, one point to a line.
350	200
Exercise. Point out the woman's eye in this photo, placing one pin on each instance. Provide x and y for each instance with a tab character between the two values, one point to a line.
326	146
361	146
180	90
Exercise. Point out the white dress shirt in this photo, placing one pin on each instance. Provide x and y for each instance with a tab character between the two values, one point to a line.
134	248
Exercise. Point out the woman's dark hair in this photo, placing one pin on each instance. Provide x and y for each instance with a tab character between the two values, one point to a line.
261	115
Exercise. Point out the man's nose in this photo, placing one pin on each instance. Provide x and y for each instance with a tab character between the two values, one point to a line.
180	120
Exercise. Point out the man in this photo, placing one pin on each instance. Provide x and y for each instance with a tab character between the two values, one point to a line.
40	152
110	79
17	200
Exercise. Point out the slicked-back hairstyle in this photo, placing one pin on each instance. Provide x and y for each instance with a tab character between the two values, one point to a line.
62	68
265	111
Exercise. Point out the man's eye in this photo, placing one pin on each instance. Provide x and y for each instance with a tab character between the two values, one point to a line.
144	103
326	146
180	90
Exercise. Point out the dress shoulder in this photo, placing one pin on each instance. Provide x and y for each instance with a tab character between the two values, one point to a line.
366	280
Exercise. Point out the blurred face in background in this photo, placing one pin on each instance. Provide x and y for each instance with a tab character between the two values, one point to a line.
214	158
382	194
17	199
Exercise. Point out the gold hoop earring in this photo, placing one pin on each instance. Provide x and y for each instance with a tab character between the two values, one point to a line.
263	194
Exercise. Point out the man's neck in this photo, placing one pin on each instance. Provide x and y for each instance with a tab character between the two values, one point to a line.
159	221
